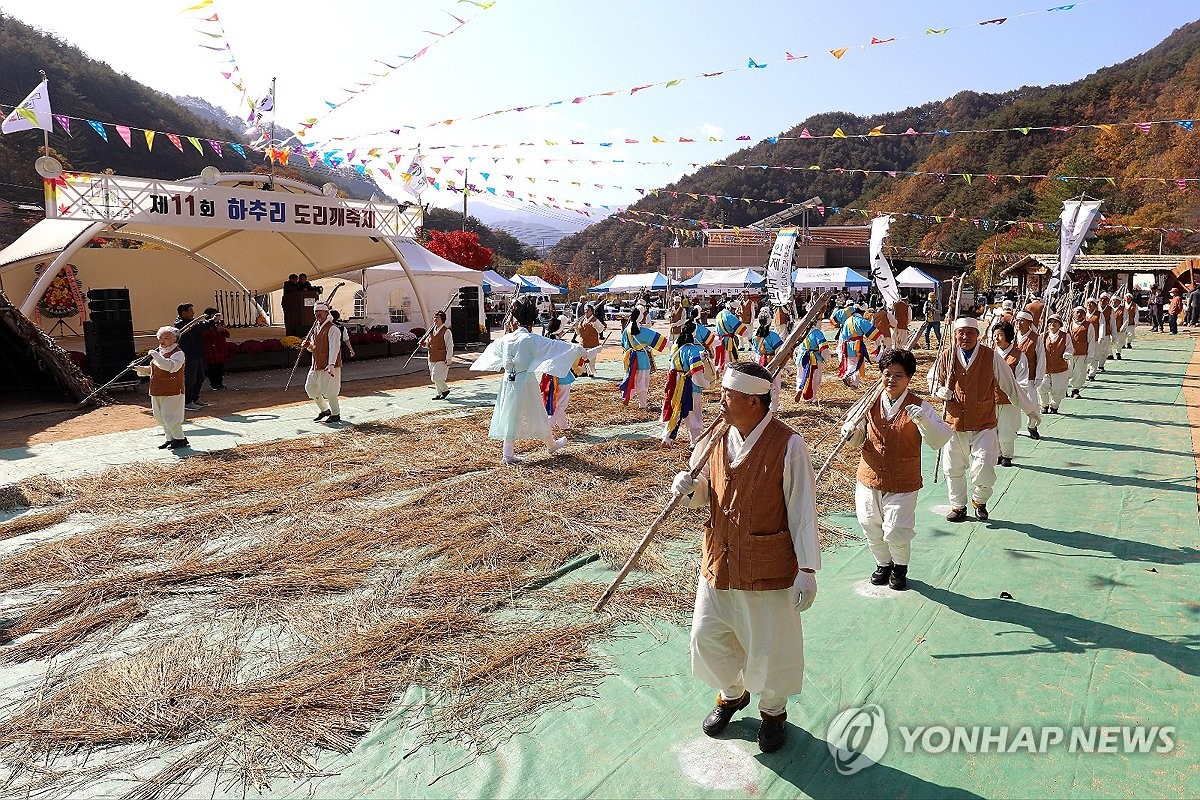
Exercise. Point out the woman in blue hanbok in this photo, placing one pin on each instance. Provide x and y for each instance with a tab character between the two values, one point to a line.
683	402
519	412
639	345
765	344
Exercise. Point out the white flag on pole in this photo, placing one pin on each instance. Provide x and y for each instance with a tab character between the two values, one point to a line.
1076	219
779	267
414	177
33	112
881	270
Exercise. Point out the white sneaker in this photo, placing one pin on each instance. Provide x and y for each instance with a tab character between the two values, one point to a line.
559	444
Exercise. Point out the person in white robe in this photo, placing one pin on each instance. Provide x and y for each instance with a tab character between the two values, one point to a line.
165	372
746	632
324	382
520	355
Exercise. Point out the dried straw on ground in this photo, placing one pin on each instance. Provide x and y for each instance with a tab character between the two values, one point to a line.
232	614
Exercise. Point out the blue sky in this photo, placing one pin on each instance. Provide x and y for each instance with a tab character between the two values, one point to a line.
526	52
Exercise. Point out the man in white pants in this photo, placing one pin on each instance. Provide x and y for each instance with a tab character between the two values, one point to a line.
1008	415
1053	387
758	560
1104	336
166	374
889	470
325	376
967	377
440	344
1029	342
1131	317
1083	342
1095	354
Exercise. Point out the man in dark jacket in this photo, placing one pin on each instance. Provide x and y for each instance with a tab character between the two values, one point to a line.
192	345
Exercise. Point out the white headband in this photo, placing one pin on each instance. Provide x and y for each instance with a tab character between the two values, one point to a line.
745	384
320	307
1025	315
966	322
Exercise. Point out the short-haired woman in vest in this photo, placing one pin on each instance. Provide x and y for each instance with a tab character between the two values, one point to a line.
1053	386
889	470
166	374
441	351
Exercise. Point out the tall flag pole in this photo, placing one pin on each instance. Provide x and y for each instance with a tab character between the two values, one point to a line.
33	112
1077	218
881	270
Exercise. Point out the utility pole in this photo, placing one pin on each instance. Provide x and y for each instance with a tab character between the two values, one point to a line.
466	191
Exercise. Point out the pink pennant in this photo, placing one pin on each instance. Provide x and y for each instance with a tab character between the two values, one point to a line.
804	134
631	141
637	89
63	122
1144	127
910	132
175	141
789	57
124	132
578	100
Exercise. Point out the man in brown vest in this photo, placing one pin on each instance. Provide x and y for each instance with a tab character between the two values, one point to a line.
1131	318
1097	353
441	351
1036	308
759	556
902	316
1053	387
967	378
676	317
325	376
1029	342
166	373
588	328
882	321
1083	341
889	471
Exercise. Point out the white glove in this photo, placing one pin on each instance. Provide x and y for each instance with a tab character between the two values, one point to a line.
683	485
142	371
804	590
848	431
329	371
942	393
916	412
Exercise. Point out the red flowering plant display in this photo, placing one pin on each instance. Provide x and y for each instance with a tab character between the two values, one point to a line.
64	296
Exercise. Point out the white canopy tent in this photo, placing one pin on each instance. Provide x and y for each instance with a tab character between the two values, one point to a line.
191	257
389	296
829	278
532	284
913	278
631	284
716	281
495	283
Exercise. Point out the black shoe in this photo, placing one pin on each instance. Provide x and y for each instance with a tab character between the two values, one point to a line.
1075	393
437	396
321	416
957	515
881	574
1053	410
445	394
719	717
1033	433
1108	358
333	418
176	444
1005	461
772	733
981	512
165	444
1118	356
899	578
1045	409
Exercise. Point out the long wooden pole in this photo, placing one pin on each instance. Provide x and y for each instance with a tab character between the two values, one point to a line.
712	438
141	360
312	330
425	338
944	368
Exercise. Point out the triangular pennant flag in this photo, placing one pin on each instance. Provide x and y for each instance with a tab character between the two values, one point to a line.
124	133
175	141
752	64
239	149
1024	131
841	51
804	134
675	82
63	122
216	146
1106	128
1144	127
789	57
98	128
837	134
196	144
882	41
967	178
149	139
933	31
997	21
876	131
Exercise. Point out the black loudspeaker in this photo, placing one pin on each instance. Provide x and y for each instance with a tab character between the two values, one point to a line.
464	318
108	300
108	344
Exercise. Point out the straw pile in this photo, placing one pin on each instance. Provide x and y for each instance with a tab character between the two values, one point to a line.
233	614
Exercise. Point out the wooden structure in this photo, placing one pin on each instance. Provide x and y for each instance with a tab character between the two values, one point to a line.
1114	271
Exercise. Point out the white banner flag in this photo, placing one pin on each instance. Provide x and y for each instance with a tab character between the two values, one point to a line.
34	112
1076	219
881	270
415	182
779	268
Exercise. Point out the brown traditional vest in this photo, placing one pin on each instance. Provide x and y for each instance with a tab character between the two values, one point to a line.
1029	348
891	455
320	350
589	337
167	384
1104	319
1035	310
1079	338
903	313
1056	362
745	314
747	543
882	322
1118	317
1094	321
676	320
973	407
1131	315
437	345
1012	359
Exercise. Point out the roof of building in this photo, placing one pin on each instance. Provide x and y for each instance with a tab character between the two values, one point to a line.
1120	262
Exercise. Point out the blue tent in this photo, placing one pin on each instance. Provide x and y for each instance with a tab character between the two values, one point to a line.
531	284
495	283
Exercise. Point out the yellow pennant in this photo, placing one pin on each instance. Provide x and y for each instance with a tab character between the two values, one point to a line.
876	131
149	139
841	51
837	134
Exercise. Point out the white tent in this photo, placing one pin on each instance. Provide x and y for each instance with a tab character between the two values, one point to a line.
628	284
389	297
829	278
715	281
495	283
913	278
532	284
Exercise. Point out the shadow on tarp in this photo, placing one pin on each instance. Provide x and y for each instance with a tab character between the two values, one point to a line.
1187	484
1124	549
1064	633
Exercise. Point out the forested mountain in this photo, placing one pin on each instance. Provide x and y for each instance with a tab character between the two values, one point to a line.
1161	84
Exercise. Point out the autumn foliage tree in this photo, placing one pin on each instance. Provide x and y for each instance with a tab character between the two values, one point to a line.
461	247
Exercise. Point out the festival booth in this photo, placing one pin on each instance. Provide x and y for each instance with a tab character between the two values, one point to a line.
829	278
722	281
532	284
495	283
913	278
390	298
633	284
